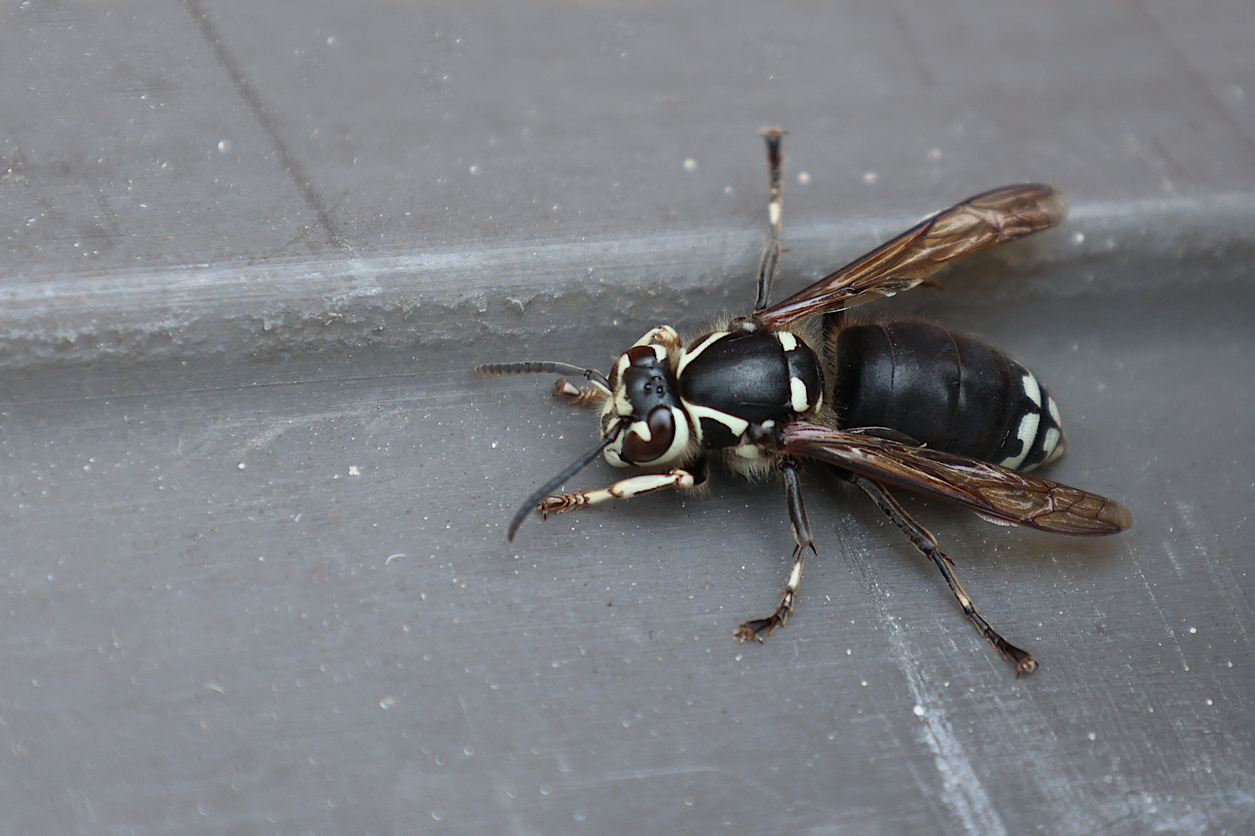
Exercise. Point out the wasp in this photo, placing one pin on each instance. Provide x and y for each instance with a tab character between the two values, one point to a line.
886	404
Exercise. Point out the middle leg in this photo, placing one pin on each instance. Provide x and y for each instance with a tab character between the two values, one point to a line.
758	628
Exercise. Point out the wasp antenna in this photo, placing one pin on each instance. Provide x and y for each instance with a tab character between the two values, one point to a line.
545	367
553	484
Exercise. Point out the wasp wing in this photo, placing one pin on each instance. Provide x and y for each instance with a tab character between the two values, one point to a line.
977	223
989	489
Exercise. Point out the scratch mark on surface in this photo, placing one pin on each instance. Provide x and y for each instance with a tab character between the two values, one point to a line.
961	788
1172	558
1015	732
1158	609
1186	512
600	781
645	774
1218	572
466	715
244	88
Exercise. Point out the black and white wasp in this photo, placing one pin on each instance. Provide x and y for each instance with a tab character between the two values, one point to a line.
900	404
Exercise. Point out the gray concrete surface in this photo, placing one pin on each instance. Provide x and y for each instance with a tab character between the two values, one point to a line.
254	570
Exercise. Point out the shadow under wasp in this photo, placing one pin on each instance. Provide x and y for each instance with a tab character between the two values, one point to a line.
887	404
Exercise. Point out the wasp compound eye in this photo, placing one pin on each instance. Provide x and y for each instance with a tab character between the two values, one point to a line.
642	356
637	449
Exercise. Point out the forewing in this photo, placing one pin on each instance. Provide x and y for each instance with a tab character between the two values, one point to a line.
975	224
989	489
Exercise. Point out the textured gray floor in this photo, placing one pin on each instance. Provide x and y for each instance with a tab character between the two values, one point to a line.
253	574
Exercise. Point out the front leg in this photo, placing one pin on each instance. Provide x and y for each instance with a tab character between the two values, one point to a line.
625	489
577	395
802	537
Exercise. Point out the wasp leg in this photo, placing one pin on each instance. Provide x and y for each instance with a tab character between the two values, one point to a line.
577	395
802	536
769	261
624	489
927	543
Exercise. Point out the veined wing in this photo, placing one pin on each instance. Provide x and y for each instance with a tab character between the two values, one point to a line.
986	488
975	224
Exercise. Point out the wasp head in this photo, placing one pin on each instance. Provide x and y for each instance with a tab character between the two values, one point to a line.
645	401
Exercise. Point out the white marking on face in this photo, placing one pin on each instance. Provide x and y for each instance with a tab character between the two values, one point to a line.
787	340
1026	432
797	395
619	402
622	406
773	212
1032	389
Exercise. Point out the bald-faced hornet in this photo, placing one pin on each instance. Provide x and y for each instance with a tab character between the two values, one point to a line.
886	404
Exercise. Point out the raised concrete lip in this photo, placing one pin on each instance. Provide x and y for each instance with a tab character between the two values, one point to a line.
228	309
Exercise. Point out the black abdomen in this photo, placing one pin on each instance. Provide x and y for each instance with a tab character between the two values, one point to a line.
949	391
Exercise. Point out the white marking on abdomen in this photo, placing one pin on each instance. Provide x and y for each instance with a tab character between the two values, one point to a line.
1031	388
1051	443
1053	409
1026	432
